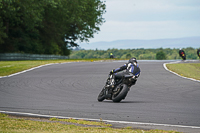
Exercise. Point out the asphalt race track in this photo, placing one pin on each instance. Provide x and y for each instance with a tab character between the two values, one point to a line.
71	90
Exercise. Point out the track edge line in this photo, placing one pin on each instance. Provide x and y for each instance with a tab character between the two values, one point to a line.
99	120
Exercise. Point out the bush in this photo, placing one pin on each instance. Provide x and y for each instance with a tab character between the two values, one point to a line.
160	55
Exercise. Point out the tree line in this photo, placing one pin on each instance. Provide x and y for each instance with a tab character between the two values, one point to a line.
48	26
140	54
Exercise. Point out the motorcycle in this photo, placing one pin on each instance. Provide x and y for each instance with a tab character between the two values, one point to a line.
183	56
117	90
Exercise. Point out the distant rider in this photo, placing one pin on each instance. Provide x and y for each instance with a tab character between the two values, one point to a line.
182	54
111	55
130	67
198	52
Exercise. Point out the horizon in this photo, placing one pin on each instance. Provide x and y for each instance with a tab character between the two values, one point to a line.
141	39
182	42
149	20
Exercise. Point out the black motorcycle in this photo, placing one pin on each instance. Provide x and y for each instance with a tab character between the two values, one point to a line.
183	56
116	90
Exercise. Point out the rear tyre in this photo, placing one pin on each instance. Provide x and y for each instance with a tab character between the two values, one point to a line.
121	93
184	57
101	95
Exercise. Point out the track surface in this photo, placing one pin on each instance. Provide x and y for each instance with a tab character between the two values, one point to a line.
71	90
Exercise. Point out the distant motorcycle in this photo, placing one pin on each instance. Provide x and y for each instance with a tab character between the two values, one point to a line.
183	56
116	91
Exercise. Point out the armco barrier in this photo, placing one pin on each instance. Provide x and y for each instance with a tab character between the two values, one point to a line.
19	56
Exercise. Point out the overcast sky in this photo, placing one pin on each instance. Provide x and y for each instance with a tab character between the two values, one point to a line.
149	19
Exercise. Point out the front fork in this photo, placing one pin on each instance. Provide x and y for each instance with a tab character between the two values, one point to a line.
108	92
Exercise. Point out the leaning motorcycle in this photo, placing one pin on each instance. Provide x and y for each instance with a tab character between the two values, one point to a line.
183	56
116	90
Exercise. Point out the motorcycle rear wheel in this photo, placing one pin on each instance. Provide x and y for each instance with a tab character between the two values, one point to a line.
121	93
101	95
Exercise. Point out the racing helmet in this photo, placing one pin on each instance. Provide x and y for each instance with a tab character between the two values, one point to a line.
132	60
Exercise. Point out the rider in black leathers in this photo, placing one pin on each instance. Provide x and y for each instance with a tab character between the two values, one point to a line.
130	67
182	54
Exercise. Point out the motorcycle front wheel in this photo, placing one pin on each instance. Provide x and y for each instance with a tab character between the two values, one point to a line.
121	93
101	95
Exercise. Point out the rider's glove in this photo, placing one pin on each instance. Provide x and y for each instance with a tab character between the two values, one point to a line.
111	72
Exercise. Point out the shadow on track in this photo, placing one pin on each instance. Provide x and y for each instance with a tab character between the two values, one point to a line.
127	102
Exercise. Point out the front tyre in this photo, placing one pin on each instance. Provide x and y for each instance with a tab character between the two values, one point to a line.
101	95
121	93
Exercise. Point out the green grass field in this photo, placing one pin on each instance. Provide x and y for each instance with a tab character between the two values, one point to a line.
21	125
190	70
10	67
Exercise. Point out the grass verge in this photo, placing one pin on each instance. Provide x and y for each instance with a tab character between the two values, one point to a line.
190	70
10	67
9	125
83	122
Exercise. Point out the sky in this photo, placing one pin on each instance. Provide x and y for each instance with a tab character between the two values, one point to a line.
149	19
